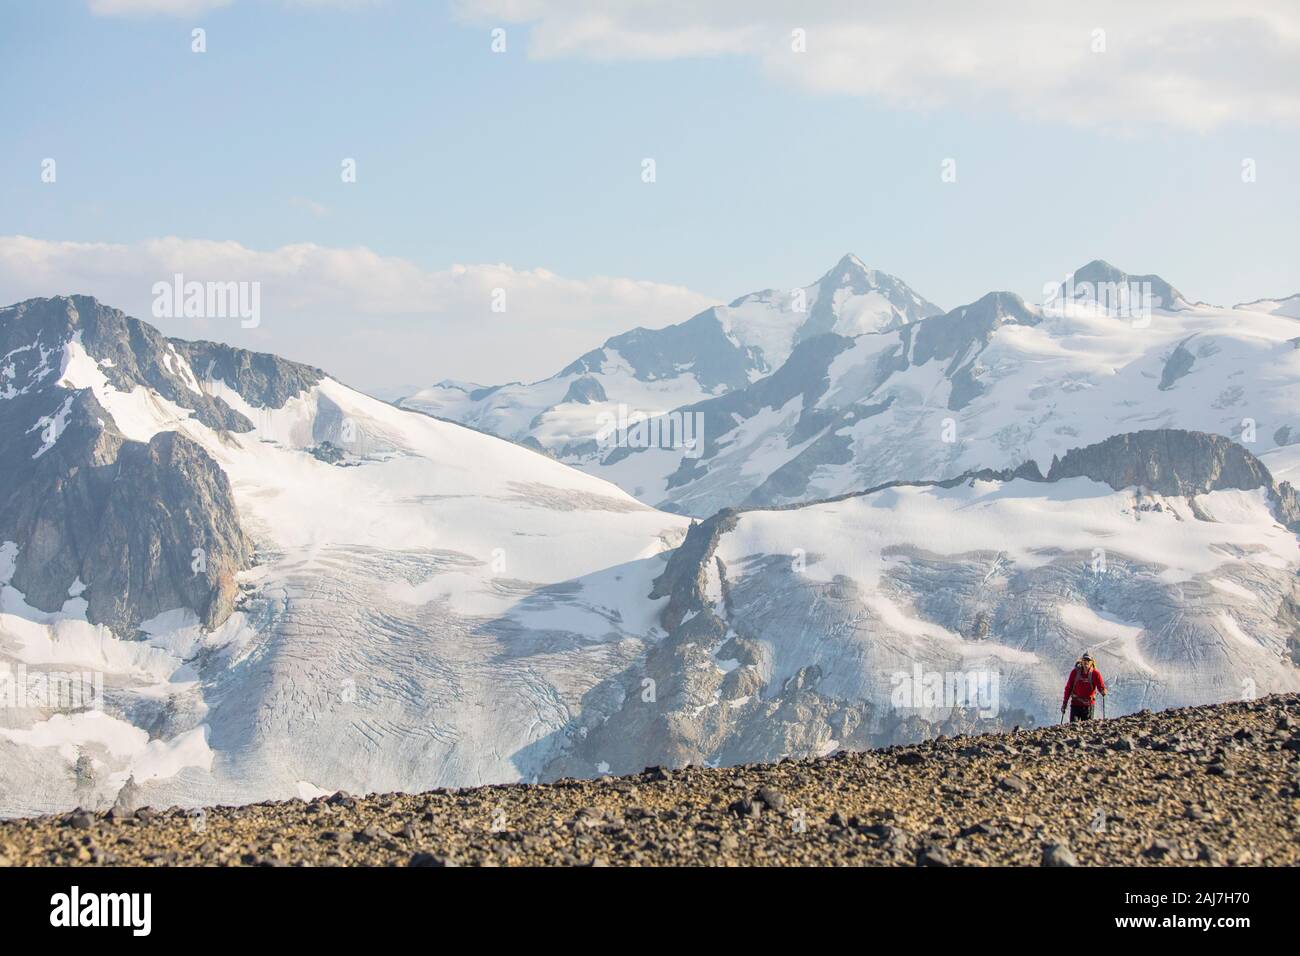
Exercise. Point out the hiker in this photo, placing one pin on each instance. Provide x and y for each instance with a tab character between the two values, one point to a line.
1081	689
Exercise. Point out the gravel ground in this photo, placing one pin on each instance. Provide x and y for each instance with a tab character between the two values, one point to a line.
1215	785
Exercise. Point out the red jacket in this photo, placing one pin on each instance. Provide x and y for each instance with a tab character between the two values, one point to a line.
1083	687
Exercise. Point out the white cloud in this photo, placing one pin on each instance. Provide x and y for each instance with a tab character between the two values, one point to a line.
1190	64
367	318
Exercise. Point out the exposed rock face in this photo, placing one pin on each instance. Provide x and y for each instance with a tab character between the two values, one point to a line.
50	501
684	578
1179	364
260	378
803	375
584	391
960	335
169	537
131	353
144	527
1167	462
680	707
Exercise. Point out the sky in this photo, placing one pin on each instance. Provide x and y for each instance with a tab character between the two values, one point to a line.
500	221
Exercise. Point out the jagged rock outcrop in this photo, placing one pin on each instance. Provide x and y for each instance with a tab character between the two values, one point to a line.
699	696
169	537
130	353
1170	461
1166	461
134	528
584	391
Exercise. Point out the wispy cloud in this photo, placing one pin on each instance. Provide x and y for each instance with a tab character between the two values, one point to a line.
1191	64
317	209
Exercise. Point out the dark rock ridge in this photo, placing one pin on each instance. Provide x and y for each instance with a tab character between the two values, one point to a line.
960	336
1170	461
584	391
132	353
145	527
1166	461
677	708
169	507
123	517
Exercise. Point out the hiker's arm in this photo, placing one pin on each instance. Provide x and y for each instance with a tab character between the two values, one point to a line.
1101	684
1069	682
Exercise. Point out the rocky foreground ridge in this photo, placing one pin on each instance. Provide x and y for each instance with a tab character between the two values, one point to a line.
1213	785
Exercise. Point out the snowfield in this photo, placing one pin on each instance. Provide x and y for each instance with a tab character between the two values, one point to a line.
1019	578
1062	378
427	612
425	605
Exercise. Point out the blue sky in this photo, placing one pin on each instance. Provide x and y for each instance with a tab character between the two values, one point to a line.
532	158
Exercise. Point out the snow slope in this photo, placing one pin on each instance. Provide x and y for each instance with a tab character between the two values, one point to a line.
864	621
993	384
431	606
654	371
422	612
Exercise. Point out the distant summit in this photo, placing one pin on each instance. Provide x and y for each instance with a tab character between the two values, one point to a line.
1117	290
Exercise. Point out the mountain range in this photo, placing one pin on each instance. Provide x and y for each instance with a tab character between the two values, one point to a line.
289	587
858	394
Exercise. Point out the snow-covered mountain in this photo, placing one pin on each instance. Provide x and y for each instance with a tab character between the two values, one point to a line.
992	384
280	585
1289	307
650	371
957	606
417	604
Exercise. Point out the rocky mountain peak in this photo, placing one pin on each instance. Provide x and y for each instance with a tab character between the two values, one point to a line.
144	526
1098	280
849	269
129	354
